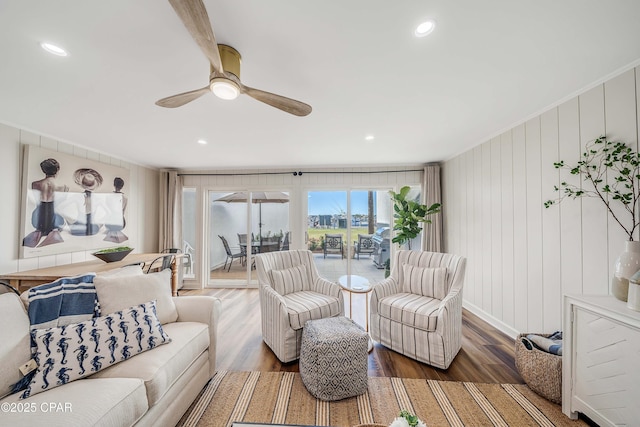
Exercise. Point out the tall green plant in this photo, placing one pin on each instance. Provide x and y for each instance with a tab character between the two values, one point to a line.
612	170
408	216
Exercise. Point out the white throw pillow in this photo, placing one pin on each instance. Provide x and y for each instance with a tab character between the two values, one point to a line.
428	282
117	293
78	350
289	280
126	271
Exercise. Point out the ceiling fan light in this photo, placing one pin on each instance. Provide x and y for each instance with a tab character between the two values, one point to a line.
225	90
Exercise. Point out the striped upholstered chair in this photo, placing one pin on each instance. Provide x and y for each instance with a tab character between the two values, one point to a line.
292	292
417	310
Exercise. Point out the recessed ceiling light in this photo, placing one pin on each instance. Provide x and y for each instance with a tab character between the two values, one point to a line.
425	28
369	138
51	48
202	141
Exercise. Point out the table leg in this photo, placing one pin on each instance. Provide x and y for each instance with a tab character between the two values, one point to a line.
366	311
174	278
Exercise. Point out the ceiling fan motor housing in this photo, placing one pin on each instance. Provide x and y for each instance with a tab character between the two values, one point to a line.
230	60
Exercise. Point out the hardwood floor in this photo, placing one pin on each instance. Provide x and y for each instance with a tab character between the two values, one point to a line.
487	355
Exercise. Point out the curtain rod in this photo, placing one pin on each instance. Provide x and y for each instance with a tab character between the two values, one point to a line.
296	173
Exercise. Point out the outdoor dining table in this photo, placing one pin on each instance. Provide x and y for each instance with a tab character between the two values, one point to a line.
256	247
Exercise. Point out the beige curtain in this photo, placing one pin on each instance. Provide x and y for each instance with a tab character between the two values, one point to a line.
170	218
432	236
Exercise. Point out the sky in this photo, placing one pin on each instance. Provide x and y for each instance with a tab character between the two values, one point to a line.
335	202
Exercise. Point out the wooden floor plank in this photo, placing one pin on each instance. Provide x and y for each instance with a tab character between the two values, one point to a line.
487	354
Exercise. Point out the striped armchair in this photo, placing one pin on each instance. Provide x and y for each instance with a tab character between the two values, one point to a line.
417	310
291	292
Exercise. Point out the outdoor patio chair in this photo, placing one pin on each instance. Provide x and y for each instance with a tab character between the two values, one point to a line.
364	245
292	292
285	242
230	255
189	261
333	245
417	310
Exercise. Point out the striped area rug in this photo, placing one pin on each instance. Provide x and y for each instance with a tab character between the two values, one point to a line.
280	398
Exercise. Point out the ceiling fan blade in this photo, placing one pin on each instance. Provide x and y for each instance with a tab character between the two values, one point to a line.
194	16
281	102
182	98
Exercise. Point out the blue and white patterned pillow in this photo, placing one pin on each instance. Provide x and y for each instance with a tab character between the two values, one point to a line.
78	350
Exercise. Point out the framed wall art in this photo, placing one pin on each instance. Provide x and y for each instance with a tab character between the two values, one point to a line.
71	204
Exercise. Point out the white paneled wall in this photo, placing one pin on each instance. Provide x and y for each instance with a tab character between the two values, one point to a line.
522	257
142	191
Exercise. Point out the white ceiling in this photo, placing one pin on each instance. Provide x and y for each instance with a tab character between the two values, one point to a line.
487	66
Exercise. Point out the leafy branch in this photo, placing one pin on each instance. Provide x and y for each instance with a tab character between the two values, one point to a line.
612	169
408	216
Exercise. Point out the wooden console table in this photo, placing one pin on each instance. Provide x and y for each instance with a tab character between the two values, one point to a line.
24	280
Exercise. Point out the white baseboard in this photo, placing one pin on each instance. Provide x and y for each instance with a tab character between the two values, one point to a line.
496	323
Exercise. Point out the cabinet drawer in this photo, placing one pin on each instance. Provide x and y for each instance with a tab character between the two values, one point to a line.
607	378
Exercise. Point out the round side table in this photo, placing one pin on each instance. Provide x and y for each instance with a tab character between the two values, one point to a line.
355	284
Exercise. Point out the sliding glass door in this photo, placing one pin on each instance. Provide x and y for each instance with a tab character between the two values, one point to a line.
341	232
241	225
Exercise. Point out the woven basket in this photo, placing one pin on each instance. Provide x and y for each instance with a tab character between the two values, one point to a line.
541	371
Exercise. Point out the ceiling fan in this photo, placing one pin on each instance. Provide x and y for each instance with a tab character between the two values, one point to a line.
224	79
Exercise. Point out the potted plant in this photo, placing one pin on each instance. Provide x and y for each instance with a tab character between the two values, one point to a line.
408	216
611	170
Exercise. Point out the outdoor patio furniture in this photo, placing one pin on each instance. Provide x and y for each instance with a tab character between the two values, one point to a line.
270	244
292	292
230	255
189	261
364	245
285	242
333	245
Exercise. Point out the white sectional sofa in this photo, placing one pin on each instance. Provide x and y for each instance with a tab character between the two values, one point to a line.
153	388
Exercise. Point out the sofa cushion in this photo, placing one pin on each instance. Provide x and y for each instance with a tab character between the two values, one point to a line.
309	305
162	366
289	280
87	402
14	341
119	292
410	309
75	351
428	282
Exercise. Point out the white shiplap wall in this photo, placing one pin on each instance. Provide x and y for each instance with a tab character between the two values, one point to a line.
522	257
142	191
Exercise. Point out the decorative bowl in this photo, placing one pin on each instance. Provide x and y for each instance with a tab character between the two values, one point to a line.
112	255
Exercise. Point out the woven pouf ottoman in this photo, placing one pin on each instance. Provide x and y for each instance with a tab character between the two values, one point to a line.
333	358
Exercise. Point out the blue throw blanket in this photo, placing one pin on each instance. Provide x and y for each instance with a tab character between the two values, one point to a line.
552	344
65	301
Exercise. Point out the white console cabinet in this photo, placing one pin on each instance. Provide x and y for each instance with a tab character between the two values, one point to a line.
601	360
